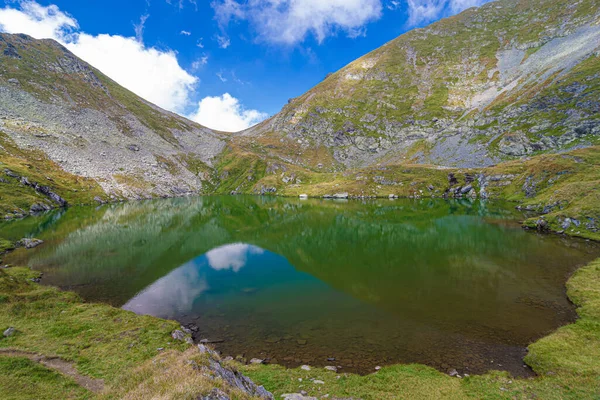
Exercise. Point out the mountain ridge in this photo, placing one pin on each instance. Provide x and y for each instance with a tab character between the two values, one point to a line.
426	85
88	125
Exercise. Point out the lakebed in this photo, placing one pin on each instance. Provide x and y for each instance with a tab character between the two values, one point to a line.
453	284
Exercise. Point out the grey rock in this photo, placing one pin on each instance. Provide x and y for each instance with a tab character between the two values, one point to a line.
466	189
9	332
341	195
297	396
237	380
178	335
39	208
29	243
215	394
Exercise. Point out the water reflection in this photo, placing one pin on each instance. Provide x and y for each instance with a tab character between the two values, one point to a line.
174	295
233	256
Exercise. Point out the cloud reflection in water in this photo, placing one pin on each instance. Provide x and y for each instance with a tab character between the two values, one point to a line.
175	293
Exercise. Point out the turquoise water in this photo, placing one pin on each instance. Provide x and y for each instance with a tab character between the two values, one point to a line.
452	284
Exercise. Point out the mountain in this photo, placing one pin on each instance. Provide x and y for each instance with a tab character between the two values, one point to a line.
59	115
510	79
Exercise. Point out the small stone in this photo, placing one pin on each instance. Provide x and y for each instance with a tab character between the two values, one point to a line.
453	372
318	382
178	335
256	361
203	349
331	368
29	243
305	368
9	332
215	394
377	368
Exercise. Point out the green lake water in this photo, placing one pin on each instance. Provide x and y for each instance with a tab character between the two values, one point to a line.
451	284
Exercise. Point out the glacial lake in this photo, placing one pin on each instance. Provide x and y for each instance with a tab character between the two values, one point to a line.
450	284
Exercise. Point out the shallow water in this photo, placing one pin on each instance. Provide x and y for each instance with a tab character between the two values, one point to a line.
446	283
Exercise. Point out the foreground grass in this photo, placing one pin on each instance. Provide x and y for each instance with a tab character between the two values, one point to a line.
134	356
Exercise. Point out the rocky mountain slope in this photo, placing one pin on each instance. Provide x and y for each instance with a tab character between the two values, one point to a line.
57	109
510	79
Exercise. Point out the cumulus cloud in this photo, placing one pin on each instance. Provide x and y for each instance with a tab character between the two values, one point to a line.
290	21
225	113
36	20
152	74
425	11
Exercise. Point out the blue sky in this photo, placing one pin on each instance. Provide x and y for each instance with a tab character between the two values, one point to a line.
225	63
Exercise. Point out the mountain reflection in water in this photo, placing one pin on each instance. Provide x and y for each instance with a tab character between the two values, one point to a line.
446	283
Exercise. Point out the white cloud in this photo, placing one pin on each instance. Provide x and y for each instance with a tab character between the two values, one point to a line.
139	28
153	74
290	21
425	11
225	113
35	20
199	63
150	73
223	41
221	77
185	33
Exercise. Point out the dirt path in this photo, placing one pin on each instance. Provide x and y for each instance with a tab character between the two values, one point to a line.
58	364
